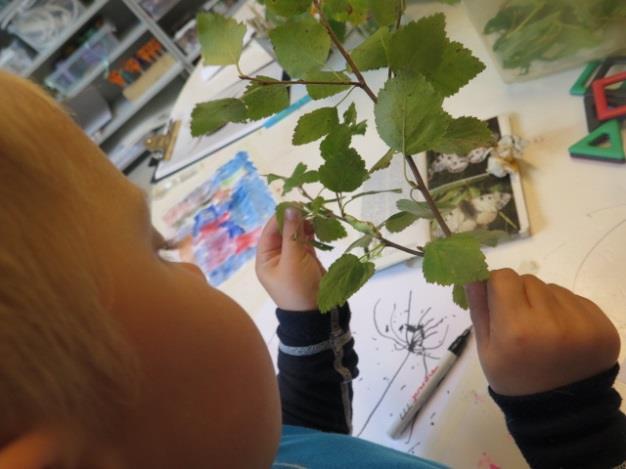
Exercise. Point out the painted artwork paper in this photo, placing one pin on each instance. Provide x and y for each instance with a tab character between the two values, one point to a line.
219	223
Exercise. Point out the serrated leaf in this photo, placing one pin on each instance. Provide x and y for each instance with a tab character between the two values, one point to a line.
363	242
457	67
361	226
419	209
464	135
315	125
271	177
459	297
384	162
287	7
316	205
338	140
400	221
324	91
385	12
359	129
418	46
299	177
408	114
344	278
349	117
208	117
372	53
343	171
321	246
328	229
454	260
221	39
489	238
264	100
301	45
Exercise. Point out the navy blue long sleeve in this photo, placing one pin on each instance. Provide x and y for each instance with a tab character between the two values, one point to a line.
316	363
575	426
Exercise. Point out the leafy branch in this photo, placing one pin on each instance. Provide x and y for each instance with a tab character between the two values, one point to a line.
424	67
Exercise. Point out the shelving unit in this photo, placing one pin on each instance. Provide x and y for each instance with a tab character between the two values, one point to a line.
134	26
62	39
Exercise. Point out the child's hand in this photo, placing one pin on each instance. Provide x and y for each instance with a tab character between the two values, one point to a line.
534	337
286	263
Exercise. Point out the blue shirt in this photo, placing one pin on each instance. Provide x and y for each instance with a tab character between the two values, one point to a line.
303	448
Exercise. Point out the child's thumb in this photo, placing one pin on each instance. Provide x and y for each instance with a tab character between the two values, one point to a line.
479	309
293	235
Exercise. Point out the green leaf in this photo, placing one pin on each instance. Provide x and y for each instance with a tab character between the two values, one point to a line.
459	297
271	177
384	162
264	100
337	141
324	91
454	260
328	229
208	117
418	46
343	171
349	117
489	238
361	226
408	114
315	125
299	177
419	209
385	12
344	278
457	67
316	205
221	39
464	135
301	45
372	53
363	242
359	129
400	221
337	10
287	7
321	246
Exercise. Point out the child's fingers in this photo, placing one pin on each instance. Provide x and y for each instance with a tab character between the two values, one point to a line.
294	239
269	243
538	294
506	294
479	310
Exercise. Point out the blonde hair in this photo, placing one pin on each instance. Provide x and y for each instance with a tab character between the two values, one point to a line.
61	357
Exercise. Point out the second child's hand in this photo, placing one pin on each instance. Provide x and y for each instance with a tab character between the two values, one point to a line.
534	337
286	263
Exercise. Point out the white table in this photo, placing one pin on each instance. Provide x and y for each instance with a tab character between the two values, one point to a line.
577	216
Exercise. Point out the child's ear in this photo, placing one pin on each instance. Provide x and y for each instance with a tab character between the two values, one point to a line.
38	449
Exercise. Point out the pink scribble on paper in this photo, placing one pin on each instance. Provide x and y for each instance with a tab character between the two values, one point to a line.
476	398
485	462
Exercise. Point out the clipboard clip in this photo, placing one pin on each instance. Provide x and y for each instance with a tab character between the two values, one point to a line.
164	143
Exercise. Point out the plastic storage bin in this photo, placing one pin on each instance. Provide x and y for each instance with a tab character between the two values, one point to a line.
92	53
44	21
532	38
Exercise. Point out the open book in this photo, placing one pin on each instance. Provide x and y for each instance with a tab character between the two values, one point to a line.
480	191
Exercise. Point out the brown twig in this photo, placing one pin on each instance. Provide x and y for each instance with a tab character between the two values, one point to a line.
346	55
263	82
427	195
391	244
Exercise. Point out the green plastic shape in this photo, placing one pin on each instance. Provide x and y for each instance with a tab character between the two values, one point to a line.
588	147
582	84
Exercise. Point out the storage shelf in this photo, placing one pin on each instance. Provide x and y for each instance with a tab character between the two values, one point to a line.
41	58
124	110
129	39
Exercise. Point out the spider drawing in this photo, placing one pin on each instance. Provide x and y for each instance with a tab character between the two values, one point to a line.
420	336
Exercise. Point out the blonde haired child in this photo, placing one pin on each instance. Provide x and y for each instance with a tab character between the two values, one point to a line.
111	357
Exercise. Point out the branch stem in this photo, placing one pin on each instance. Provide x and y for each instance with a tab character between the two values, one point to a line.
421	185
263	82
346	55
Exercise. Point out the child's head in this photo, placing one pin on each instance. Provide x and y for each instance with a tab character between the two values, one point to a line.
110	356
